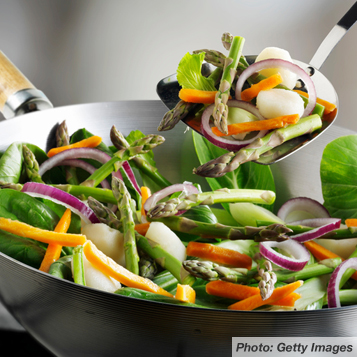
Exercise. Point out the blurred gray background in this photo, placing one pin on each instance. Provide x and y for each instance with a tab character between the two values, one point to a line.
80	51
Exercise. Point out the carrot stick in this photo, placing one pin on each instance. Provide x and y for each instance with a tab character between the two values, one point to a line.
219	254
185	293
142	228
329	107
351	222
53	251
109	267
240	292
145	194
257	125
255	301
321	253
197	96
42	235
265	84
90	142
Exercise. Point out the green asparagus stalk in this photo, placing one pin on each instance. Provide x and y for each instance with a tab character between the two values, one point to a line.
63	139
78	268
140	146
231	161
174	205
227	39
147	266
104	214
123	198
214	57
220	112
31	165
143	165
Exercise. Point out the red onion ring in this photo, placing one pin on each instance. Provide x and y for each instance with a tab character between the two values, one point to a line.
36	189
333	288
187	187
305	204
298	251
85	166
314	222
127	168
276	63
230	145
317	232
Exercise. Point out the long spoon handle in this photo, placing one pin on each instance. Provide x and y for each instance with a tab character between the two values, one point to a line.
334	36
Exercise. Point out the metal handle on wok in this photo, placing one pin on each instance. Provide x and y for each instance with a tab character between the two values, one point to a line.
17	94
334	36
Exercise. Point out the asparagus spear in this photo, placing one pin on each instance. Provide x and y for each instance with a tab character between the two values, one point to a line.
214	57
143	165
231	161
31	165
227	39
268	280
174	205
220	112
104	214
140	146
147	266
123	198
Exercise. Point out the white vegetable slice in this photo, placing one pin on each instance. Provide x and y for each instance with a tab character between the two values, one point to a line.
277	102
289	78
342	247
169	241
110	241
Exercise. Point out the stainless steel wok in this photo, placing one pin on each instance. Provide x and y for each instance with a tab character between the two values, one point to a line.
72	320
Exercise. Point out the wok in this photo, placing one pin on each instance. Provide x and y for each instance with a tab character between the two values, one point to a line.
72	320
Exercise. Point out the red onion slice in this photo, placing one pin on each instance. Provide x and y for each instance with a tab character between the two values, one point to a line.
127	168
36	189
302	206
186	187
298	251
333	288
222	142
85	166
317	232
314	222
276	63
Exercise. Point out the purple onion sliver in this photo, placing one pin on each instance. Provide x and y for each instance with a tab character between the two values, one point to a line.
314	222
316	232
222	142
276	63
36	189
333	288
298	251
127	168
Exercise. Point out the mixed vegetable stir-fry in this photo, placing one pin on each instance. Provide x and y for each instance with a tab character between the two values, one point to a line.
80	214
247	109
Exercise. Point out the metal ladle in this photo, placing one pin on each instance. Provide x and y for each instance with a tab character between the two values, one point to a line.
168	88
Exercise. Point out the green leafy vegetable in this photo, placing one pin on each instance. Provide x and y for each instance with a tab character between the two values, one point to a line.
338	177
189	73
11	163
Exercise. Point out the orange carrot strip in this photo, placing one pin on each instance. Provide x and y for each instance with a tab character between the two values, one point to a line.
53	251
185	293
240	292
219	254
351	222
266	124
197	96
142	228
109	267
255	301
265	84
145	194
90	142
42	235
329	107
321	253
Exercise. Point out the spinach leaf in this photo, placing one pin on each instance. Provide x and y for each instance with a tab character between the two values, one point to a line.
249	175
61	268
338	177
25	250
22	207
11	163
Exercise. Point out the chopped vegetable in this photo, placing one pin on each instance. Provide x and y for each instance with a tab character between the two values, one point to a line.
256	301
265	84
329	107
351	222
185	293
53	251
91	142
116	271
142	228
145	194
197	96
267	124
219	254
25	230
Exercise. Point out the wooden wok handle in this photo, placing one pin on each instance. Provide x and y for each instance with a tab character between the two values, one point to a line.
17	94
